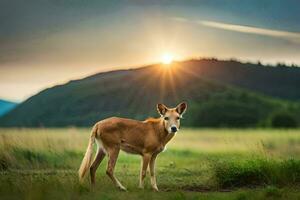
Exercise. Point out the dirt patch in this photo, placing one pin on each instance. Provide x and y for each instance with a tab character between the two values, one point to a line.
195	189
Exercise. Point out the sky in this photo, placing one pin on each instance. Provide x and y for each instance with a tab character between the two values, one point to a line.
49	42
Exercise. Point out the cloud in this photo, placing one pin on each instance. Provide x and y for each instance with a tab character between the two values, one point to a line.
290	36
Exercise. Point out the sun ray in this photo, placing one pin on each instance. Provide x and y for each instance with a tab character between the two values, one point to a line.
172	83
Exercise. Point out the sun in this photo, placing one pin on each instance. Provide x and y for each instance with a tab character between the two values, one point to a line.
167	58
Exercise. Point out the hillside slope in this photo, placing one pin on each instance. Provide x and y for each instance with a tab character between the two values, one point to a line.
134	93
280	81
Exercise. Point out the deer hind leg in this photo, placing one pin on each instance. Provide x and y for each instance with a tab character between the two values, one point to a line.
112	159
144	166
98	159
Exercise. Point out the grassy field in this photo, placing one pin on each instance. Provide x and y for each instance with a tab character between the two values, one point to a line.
198	164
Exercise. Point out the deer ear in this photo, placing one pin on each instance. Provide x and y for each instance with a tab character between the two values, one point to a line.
161	108
181	108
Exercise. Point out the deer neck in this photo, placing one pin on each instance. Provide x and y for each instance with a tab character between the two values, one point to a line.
164	135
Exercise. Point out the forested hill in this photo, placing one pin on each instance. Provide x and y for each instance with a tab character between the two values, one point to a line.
277	81
219	93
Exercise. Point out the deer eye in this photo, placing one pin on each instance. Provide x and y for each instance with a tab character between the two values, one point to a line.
166	118
177	118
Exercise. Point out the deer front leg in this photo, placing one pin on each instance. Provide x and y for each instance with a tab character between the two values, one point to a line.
152	172
145	162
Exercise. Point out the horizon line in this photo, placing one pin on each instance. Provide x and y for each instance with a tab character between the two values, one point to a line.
192	58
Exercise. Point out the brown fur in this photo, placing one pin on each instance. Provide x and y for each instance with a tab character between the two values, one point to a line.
146	138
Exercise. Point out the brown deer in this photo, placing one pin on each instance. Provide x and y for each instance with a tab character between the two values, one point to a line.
147	138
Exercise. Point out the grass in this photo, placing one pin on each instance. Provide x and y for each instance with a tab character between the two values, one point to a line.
198	163
257	172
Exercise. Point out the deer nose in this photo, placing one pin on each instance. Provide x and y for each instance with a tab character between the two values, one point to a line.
173	129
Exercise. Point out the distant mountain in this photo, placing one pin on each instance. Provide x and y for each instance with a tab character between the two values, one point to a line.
219	93
6	106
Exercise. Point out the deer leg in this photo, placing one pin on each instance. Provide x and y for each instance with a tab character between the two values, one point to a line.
144	166
112	159
152	172
98	159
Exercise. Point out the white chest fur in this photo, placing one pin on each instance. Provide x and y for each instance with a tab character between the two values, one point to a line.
164	149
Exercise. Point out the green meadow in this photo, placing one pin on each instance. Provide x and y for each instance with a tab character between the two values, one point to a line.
198	164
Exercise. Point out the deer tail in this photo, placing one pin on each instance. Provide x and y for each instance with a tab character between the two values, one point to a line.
86	162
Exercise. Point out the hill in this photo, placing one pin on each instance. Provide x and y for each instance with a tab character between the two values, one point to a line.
212	89
278	81
6	106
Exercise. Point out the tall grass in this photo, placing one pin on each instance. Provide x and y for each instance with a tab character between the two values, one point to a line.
257	172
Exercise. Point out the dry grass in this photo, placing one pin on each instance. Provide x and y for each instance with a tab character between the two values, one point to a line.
262	141
276	142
